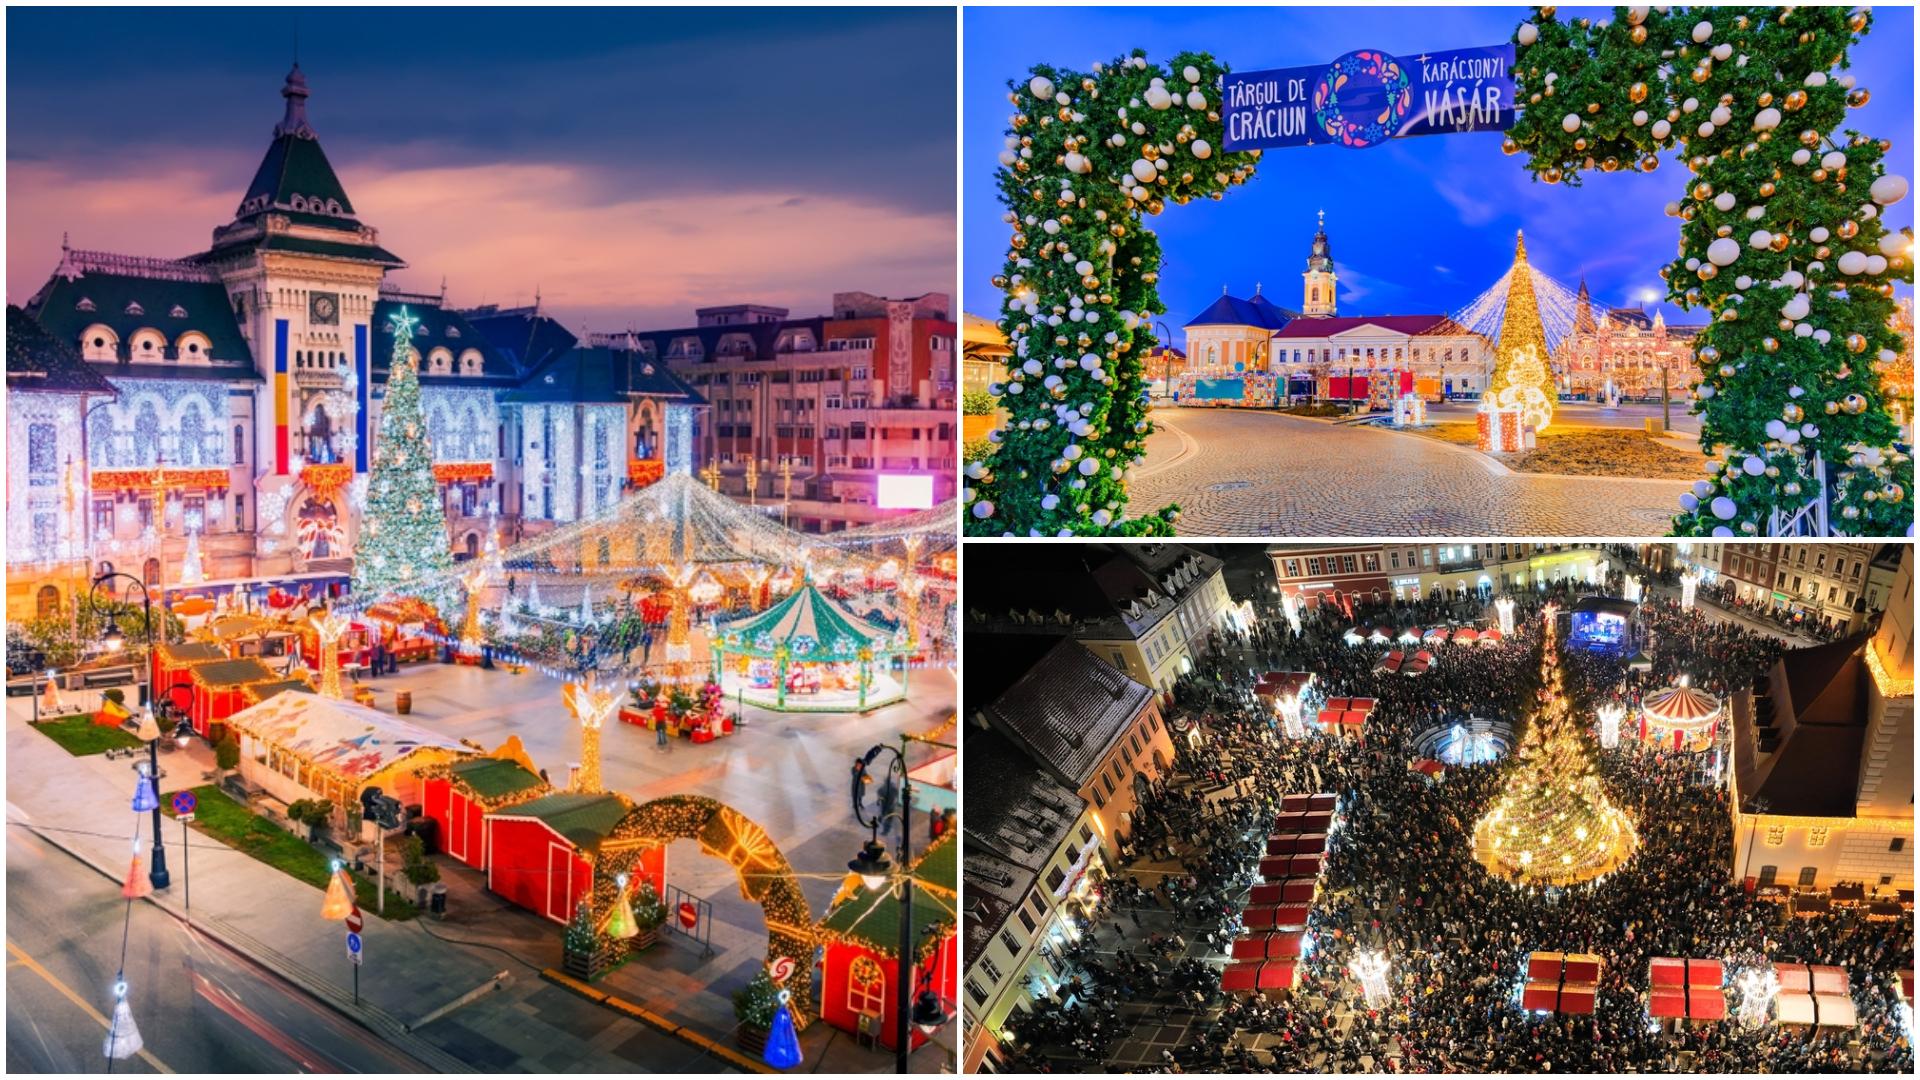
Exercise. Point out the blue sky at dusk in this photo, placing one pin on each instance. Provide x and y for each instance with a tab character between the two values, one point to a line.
1419	225
632	164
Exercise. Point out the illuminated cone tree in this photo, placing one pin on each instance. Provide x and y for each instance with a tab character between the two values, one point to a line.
1520	377
1783	241
1553	825
403	536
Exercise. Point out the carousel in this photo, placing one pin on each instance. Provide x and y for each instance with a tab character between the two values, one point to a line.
809	654
1685	717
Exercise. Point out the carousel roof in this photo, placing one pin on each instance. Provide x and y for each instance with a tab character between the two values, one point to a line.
1682	705
811	625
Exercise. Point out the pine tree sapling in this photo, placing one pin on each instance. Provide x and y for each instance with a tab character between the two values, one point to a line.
1088	155
1782	240
403	534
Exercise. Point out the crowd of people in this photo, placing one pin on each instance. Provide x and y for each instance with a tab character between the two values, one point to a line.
1400	876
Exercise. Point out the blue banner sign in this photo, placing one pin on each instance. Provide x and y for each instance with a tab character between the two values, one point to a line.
1369	96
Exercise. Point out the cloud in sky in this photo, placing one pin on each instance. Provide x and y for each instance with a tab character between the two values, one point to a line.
632	164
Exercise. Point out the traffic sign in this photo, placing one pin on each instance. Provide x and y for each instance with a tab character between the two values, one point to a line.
353	946
689	915
354	921
184	803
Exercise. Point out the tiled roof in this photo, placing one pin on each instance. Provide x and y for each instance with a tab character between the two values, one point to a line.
1340	324
1068	710
1017	817
295	165
1820	721
523	335
438	328
39	362
145	293
1233	311
1104	590
600	373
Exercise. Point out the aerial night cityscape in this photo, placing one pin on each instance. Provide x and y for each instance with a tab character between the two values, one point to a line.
1480	806
478	547
830	540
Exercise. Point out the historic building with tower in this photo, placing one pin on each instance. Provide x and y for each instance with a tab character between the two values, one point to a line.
212	414
1623	354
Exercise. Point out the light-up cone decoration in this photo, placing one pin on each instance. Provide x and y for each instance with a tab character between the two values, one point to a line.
621	924
591	705
137	884
330	626
1553	824
145	799
50	701
123	1035
1520	377
339	902
783	1041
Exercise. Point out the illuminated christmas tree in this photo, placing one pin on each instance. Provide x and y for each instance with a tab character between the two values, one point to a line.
1520	377
403	536
1553	825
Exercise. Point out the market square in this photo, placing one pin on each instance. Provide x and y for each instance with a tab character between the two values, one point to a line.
1560	272
1482	807
544	668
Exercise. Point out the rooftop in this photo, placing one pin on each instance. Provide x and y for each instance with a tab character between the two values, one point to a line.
1806	761
1017	817
1067	711
1092	591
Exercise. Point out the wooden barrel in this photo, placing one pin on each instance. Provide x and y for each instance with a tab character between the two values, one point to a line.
403	701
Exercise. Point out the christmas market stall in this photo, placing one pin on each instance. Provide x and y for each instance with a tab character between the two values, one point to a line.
541	853
1686	989
1680	717
246	634
809	654
1814	996
408	627
458	797
255	693
1565	983
860	960
1345	717
171	661
309	746
220	689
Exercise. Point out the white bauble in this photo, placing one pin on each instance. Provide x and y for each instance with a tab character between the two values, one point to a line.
1793	279
1702	30
1724	508
1755	213
1049	502
1853	262
1721	115
1050	227
1816	78
1802	156
1570	122
1767	119
1803	330
1143	170
1754	465
1797	307
1661	128
1791	437
983	509
1640	118
1078	163
1033	367
1102	516
1190	73
1083	268
1196	100
1723	251
1158	98
1876	264
1892	243
1743	282
1706	391
1041	87
1722	530
1202	149
1689	105
1724	201
1702	489
1689	501
1089	466
1705	129
1008	157
1888	189
1776	429
1723	52
1527	34
1760	238
1834	159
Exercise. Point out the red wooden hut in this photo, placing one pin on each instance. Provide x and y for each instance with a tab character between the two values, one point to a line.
540	853
170	662
220	689
861	961
459	797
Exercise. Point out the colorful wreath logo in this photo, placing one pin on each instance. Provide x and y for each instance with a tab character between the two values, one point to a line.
1362	98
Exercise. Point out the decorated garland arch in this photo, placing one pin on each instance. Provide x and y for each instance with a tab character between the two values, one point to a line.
1088	156
725	833
1781	240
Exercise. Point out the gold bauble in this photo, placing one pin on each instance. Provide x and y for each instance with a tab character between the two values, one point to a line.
1856	343
1649	163
1766	189
1703	191
1770	344
1637	93
1708	271
1819	176
1551	176
1766	98
1858	24
1508	146
1780	241
1858	97
1848	229
1593	107
1610	165
1638	35
1796	100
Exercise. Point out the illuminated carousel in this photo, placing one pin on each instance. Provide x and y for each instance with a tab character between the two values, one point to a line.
809	654
1554	824
1684	717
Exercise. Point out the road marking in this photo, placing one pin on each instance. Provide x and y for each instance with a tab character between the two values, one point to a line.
84	1005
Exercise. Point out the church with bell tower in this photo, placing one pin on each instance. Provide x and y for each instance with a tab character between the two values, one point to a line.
1319	293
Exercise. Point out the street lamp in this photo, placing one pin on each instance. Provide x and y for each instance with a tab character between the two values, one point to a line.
114	639
875	869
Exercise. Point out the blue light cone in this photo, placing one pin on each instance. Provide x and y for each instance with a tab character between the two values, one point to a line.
144	798
783	1042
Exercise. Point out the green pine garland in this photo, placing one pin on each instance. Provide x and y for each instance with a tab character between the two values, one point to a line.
1089	153
403	534
1781	238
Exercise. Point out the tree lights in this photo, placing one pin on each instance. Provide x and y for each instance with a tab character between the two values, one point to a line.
403	535
1087	155
1781	240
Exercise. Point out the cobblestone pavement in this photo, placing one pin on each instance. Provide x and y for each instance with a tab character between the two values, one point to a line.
1236	472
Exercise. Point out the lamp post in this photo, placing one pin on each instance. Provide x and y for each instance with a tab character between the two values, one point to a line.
876	871
114	640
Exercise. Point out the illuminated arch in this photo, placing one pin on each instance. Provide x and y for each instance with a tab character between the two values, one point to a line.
725	833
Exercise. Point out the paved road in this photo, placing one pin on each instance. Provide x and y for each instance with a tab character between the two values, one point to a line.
199	1007
1243	473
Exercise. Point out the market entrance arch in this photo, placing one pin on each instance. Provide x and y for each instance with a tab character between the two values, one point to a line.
725	833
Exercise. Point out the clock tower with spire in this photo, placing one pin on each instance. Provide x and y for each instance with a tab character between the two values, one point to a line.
1317	298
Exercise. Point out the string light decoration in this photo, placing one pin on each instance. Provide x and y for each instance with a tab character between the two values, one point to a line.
1553	824
1758	987
1088	156
1610	717
764	874
403	534
193	569
1689	586
1631	590
1504	608
1782	241
591	705
1520	377
1370	967
1290	607
329	627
